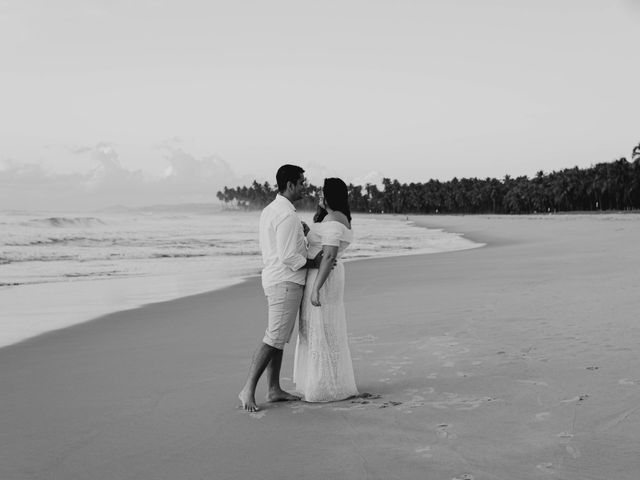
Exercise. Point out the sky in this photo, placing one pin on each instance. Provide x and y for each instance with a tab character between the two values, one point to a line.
137	102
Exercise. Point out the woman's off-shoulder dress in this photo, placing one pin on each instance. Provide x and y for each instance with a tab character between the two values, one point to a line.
323	370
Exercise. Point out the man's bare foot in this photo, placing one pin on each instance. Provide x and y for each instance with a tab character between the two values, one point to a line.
281	396
248	401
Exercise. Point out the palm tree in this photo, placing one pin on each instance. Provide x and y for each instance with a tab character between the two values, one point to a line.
602	186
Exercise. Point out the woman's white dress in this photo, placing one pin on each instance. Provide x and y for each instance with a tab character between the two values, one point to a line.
323	370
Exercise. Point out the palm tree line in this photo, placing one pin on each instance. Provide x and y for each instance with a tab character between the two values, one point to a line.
604	186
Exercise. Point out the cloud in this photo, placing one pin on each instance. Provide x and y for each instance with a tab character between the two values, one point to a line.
78	150
28	186
109	175
185	169
187	179
316	173
374	178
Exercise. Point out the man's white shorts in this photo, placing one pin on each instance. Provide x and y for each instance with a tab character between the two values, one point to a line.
284	303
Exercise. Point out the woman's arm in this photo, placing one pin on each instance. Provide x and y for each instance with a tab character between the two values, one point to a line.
329	254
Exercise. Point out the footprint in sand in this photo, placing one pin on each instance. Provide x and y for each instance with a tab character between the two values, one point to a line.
365	398
578	398
545	466
538	383
344	409
405	362
416	401
301	407
424	452
464	476
573	451
443	432
369	395
460	402
626	381
390	403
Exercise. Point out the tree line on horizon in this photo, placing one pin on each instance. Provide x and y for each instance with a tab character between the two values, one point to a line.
605	186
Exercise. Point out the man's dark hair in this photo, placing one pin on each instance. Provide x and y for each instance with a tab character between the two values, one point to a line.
288	173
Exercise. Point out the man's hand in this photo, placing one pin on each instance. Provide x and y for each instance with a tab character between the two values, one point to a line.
305	228
317	260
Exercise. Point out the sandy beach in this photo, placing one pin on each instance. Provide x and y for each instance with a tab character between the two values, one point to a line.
518	360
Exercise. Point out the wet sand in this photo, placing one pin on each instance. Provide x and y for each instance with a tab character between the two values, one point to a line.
518	360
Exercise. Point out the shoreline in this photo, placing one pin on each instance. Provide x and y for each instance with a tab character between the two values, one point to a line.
517	360
225	287
454	224
95	298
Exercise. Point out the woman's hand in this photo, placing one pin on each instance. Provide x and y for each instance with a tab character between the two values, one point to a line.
315	298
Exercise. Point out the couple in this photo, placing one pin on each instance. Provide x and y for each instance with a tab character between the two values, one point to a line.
323	370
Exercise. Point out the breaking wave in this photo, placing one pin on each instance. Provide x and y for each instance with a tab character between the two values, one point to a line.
68	221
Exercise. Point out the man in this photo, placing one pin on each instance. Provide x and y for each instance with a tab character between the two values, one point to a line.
284	255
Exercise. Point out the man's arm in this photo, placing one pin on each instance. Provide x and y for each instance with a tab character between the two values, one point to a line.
287	243
315	261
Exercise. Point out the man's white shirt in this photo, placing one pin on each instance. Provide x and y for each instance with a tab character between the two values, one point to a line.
283	244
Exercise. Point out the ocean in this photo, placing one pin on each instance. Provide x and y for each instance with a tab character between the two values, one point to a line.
59	269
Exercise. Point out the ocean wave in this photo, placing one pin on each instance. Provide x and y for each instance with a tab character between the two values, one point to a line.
177	255
38	258
68	221
110	273
55	241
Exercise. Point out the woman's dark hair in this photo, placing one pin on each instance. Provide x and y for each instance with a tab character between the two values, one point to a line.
336	196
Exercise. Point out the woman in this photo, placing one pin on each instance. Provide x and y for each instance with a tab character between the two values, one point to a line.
323	370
